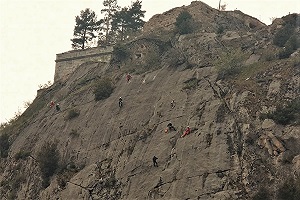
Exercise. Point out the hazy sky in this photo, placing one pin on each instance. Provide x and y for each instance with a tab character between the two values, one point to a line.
32	32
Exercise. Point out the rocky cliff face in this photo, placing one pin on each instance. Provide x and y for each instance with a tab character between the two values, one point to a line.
227	88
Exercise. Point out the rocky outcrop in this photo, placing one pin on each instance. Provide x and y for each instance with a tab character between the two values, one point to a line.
206	19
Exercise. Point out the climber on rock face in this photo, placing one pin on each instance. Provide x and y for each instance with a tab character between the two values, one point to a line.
186	132
120	102
128	77
154	159
171	127
173	104
57	107
52	104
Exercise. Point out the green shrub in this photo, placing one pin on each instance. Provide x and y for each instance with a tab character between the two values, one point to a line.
22	155
285	53
229	64
269	56
120	53
72	114
48	158
190	84
152	60
283	34
4	145
262	194
110	182
220	30
291	19
291	45
103	89
183	23
233	68
288	114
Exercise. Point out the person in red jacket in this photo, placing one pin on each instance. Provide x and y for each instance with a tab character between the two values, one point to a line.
128	77
51	104
186	132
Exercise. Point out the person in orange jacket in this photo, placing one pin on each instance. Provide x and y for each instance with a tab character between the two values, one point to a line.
186	132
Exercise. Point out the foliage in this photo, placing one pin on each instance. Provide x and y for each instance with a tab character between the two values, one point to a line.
291	45
183	23
103	89
67	171
48	158
192	83
152	60
128	20
291	19
229	65
269	56
84	31
290	190
72	114
120	53
4	145
288	114
220	29
283	34
110	182
111	7
22	155
262	194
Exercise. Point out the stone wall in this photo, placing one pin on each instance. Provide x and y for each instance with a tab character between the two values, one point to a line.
67	62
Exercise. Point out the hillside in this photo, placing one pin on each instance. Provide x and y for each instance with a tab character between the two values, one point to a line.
231	85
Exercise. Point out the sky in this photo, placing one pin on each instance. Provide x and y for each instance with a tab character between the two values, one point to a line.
32	32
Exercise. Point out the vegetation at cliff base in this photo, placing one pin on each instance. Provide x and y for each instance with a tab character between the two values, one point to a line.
48	158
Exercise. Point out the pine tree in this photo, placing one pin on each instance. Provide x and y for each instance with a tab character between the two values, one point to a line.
111	6
85	29
128	20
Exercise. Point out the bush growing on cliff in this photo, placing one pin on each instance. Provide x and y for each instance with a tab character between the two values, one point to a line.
22	155
288	114
47	159
283	34
230	65
4	145
103	89
120	53
72	114
184	23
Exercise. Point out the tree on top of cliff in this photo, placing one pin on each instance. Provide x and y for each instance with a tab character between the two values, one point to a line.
111	7
85	29
128	20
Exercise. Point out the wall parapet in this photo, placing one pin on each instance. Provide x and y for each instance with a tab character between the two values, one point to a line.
67	62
